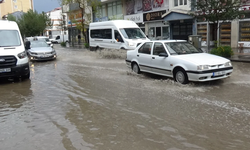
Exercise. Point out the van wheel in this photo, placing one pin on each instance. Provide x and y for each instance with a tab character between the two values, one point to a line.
123	48
181	76
135	68
27	76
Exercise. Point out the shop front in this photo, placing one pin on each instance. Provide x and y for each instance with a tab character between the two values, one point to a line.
138	19
181	25
157	29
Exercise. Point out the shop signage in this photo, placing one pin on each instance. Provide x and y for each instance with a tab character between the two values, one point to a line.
137	18
153	15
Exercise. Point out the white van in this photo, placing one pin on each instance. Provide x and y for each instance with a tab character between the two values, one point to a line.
14	62
116	34
60	38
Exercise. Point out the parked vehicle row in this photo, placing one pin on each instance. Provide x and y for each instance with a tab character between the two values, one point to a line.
178	59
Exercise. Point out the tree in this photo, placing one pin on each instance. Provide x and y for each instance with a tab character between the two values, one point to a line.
32	23
84	13
215	11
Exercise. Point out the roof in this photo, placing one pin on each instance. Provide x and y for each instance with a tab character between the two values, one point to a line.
176	15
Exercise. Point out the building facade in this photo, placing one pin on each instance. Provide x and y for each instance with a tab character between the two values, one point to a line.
11	6
59	20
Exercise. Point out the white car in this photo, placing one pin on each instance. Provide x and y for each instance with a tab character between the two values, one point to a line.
178	59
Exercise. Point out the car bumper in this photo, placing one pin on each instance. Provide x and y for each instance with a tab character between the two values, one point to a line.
210	74
42	57
17	71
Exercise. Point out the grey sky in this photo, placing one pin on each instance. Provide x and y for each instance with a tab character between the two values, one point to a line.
45	5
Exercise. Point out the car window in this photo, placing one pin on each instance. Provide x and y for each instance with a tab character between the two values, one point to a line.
158	48
145	48
39	44
181	48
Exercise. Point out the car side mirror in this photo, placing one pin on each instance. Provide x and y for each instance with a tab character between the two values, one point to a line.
51	45
163	55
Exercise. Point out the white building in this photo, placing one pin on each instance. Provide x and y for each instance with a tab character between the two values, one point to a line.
59	20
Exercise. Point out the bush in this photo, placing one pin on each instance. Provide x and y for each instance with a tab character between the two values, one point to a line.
63	44
224	51
86	45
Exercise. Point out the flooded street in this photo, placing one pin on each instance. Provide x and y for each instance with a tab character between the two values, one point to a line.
82	101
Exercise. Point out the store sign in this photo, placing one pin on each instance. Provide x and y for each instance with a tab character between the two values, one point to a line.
137	18
153	15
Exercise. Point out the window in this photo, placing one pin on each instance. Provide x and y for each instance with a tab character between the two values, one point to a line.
175	2
145	48
101	33
114	8
180	2
158	48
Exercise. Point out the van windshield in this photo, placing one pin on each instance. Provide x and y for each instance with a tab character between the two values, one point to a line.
132	33
9	38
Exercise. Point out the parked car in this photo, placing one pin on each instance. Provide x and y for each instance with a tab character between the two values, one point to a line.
40	50
178	59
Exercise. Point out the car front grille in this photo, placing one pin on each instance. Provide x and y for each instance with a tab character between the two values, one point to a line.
7	61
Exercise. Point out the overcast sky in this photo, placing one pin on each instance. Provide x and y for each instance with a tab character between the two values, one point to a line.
45	5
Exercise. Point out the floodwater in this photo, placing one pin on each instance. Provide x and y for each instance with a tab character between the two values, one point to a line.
83	101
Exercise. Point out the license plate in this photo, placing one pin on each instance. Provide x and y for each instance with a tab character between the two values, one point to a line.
5	70
44	56
219	73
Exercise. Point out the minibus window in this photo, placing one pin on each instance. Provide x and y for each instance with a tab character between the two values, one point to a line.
132	33
9	38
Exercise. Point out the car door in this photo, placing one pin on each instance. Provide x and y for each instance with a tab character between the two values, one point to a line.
144	56
160	64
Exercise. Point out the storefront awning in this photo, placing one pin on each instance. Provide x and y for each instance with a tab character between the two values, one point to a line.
172	16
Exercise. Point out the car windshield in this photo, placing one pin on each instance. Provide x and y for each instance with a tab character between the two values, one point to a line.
38	44
132	33
9	38
179	48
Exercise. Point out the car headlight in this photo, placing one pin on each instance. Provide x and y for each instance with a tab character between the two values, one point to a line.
202	67
228	64
22	55
131	44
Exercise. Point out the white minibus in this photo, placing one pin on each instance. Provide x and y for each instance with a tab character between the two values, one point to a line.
14	62
115	34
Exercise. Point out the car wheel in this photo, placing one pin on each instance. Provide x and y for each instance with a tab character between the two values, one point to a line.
135	68
181	76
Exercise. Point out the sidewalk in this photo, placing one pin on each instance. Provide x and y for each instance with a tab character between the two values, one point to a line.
239	55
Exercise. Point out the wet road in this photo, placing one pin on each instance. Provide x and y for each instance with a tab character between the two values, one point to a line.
84	102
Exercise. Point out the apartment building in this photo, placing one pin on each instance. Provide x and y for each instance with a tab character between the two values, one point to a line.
59	20
11	6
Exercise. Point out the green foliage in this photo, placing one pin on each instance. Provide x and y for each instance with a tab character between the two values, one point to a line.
215	10
32	23
85	8
224	51
12	18
63	44
86	45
